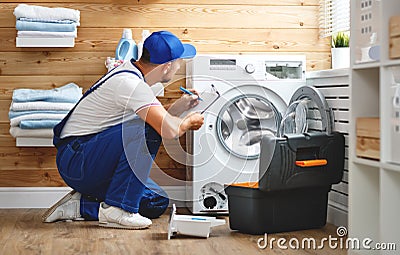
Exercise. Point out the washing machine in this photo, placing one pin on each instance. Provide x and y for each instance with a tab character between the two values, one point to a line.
254	93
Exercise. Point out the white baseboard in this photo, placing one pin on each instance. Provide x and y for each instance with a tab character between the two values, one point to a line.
44	197
337	214
177	195
31	197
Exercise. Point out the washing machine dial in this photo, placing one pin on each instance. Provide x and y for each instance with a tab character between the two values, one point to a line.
250	68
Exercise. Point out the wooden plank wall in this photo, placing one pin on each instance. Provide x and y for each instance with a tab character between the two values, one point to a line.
254	26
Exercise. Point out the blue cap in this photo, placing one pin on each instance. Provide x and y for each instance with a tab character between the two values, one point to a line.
164	47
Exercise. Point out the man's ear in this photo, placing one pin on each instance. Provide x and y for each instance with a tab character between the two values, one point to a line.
166	67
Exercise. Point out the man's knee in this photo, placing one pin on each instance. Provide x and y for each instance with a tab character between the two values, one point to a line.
153	207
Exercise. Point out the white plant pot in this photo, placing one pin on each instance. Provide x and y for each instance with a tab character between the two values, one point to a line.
340	57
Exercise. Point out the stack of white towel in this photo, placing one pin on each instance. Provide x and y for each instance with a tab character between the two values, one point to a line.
34	112
44	22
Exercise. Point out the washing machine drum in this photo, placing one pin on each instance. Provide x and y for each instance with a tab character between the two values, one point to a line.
245	119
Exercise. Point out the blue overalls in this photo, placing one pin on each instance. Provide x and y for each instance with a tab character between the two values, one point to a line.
112	166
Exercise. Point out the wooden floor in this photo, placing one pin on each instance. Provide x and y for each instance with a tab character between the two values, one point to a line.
22	232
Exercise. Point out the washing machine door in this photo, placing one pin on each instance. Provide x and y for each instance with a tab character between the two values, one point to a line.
248	113
308	111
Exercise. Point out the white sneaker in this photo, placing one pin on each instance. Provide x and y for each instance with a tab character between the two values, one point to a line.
66	209
114	217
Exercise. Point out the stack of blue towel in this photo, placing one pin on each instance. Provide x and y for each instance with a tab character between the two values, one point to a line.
34	112
44	22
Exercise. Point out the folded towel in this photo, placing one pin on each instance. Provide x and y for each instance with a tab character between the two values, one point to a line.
42	133
40	26
12	114
40	105
37	124
69	93
40	12
14	122
61	21
44	34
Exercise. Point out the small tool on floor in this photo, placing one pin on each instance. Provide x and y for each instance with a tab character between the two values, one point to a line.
191	225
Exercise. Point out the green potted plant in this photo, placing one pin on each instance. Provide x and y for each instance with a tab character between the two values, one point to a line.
340	40
340	50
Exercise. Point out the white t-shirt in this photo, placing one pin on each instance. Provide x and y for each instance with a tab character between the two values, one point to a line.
116	100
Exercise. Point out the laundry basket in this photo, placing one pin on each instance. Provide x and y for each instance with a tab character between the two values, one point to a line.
293	187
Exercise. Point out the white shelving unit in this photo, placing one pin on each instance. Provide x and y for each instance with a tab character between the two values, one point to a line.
334	85
374	190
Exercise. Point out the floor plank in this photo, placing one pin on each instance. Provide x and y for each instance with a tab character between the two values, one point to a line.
22	232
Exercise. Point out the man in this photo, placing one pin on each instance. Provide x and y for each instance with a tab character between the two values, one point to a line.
107	143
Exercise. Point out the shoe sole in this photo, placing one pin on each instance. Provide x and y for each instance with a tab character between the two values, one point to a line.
116	225
54	207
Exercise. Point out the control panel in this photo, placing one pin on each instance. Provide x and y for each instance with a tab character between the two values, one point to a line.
249	67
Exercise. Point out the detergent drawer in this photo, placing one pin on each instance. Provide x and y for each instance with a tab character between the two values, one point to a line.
301	161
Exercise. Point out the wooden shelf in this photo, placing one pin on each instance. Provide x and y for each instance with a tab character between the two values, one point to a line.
45	42
34	142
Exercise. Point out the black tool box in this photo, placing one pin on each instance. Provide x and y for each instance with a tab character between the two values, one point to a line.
295	176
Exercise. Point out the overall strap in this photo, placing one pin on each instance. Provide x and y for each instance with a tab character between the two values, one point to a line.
57	141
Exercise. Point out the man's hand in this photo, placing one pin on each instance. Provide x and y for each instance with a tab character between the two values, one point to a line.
184	103
192	121
169	126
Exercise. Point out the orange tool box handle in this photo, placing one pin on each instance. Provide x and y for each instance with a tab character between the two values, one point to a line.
246	184
311	162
